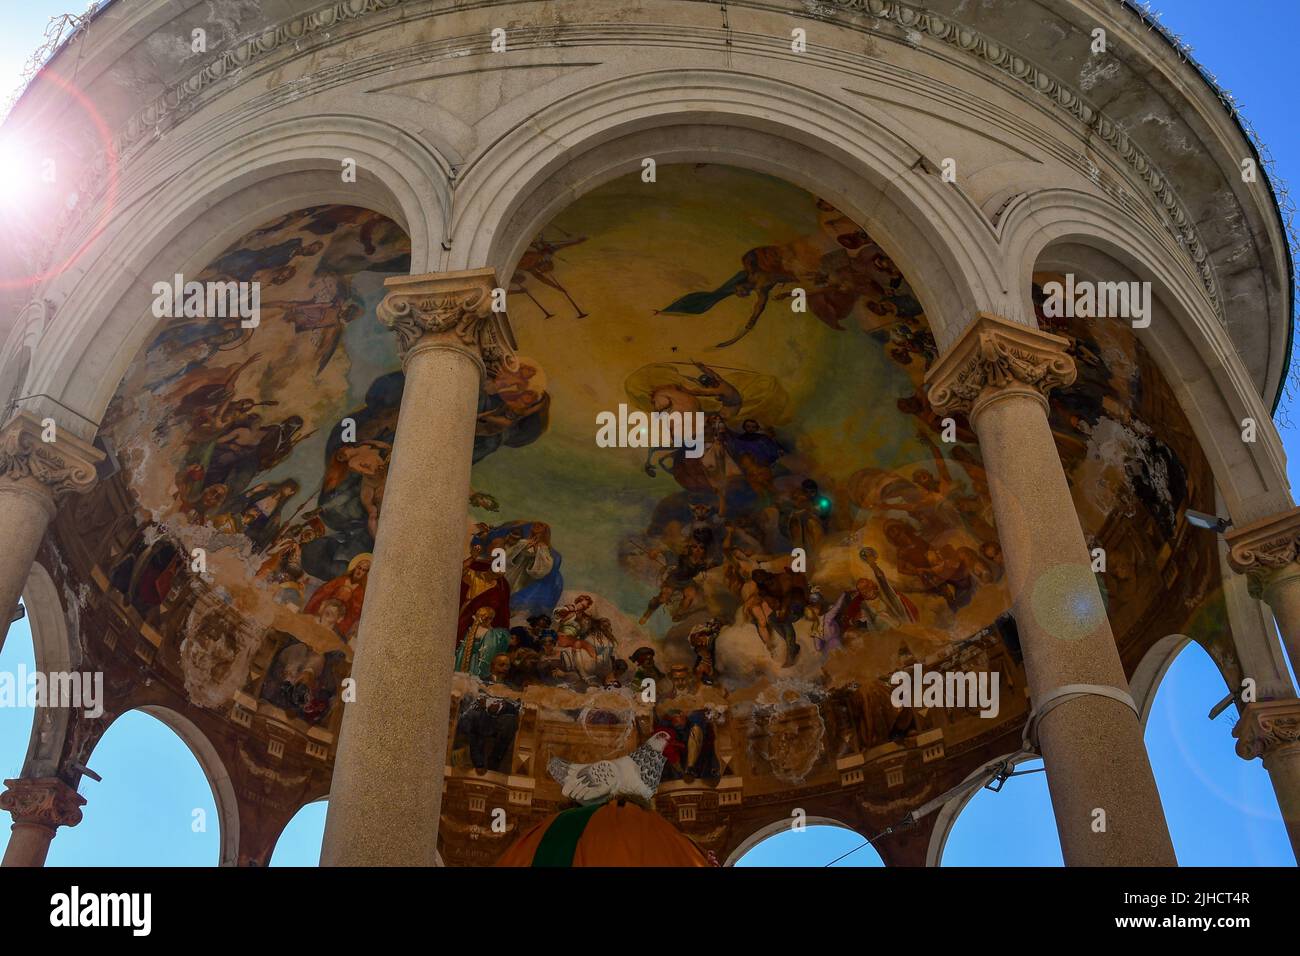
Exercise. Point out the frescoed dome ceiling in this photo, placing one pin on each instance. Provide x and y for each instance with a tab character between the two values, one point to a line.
751	602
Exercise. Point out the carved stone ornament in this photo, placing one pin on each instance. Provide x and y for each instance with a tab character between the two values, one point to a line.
1264	547
1267	726
43	801
57	467
992	355
450	310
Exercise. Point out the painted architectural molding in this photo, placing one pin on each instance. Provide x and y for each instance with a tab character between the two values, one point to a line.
992	356
450	310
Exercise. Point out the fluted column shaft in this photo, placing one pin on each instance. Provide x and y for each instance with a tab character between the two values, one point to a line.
386	793
1104	795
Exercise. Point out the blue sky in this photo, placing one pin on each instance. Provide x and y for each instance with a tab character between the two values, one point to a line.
1221	809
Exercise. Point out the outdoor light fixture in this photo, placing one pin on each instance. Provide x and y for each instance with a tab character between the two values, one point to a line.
1213	523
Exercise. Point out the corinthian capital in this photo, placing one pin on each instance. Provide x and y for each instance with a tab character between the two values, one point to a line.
44	801
1266	546
1266	727
450	310
994	356
47	468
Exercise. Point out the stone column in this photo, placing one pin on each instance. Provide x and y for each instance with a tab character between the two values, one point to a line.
999	373
1268	552
1271	729
34	474
388	773
39	807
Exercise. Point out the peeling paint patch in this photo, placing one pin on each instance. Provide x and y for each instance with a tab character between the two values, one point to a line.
818	9
1060	31
1171	133
1098	71
228	16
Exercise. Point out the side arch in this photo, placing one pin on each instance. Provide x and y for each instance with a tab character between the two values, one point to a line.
437	855
945	818
1151	671
292	164
55	649
1193	351
223	788
779	826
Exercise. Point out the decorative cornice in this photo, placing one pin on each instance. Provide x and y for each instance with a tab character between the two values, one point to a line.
999	55
42	801
993	356
450	310
1266	727
50	469
147	123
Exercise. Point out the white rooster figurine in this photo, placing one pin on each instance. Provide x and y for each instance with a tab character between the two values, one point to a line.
635	775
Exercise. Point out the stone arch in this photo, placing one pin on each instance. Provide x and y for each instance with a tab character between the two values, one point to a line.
324	798
1151	671
934	233
1194	352
55	648
17	349
13	376
945	818
779	826
223	788
288	165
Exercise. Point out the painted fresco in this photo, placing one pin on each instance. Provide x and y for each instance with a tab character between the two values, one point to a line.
751	603
268	448
768	588
680	296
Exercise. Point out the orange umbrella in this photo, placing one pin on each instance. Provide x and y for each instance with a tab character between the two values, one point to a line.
617	833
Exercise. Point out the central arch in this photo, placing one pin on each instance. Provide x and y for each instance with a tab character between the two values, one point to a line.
931	229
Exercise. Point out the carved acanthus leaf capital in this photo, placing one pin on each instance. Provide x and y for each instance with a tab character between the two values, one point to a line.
1263	548
44	801
66	464
1266	727
450	310
992	356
